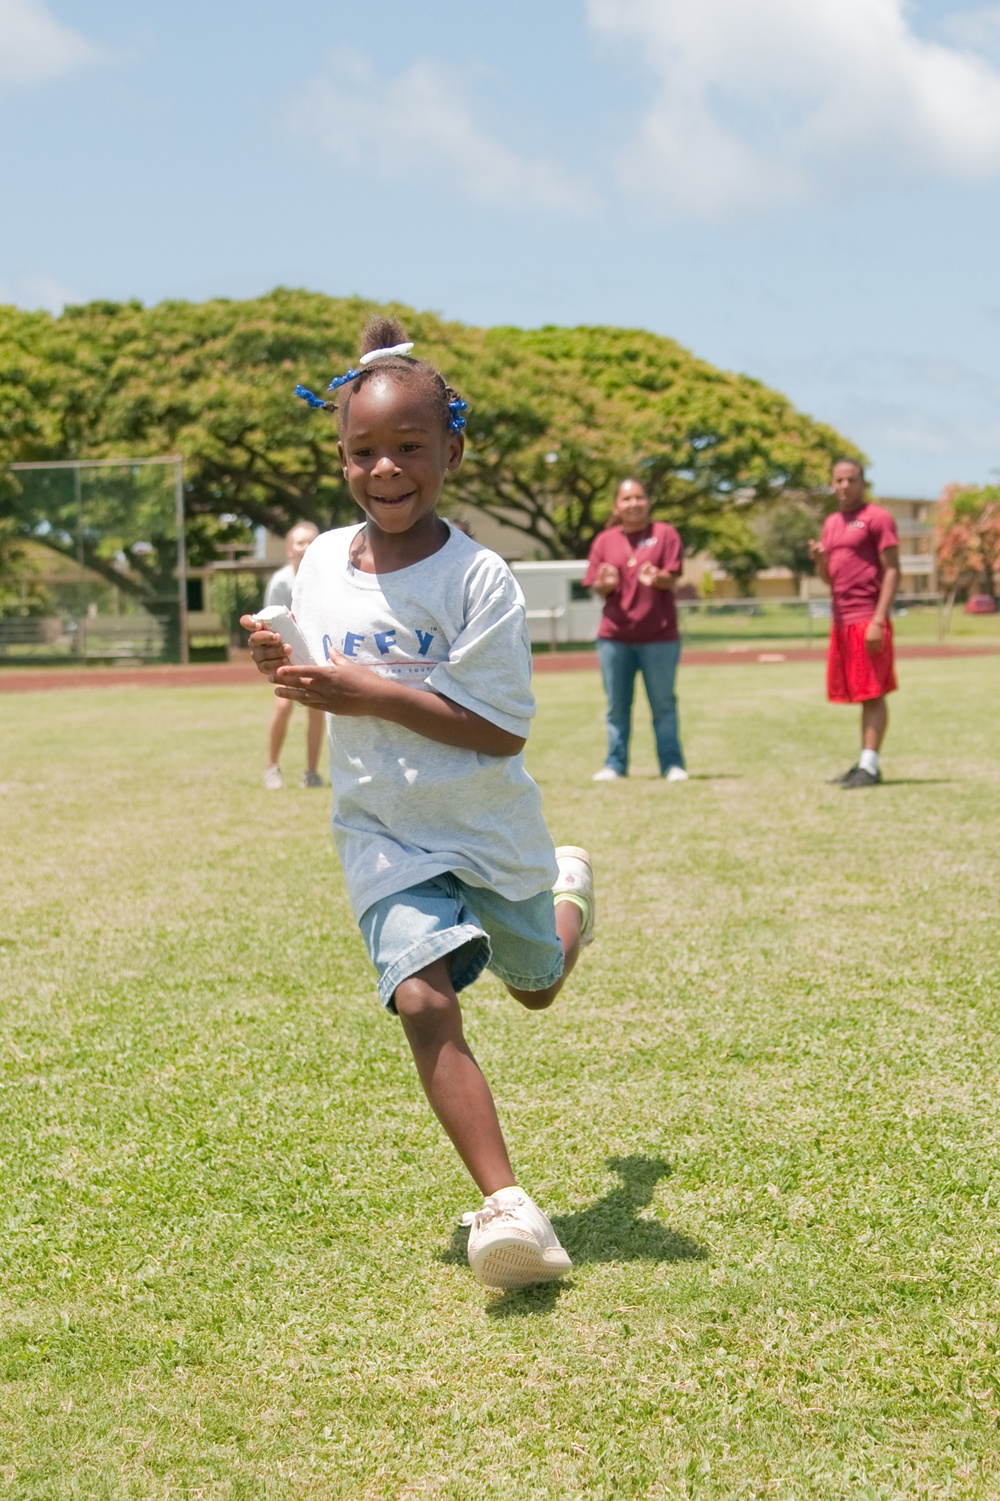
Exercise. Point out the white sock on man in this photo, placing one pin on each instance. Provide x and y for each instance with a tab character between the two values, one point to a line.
868	761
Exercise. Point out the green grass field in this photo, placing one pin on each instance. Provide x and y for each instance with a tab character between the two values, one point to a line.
730	627
763	1117
789	624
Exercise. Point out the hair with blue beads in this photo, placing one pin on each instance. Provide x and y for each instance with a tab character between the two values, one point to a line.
385	352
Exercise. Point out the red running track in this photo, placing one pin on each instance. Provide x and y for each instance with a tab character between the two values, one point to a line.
736	657
242	673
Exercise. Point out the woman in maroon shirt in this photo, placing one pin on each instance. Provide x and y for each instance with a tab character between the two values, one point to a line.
634	565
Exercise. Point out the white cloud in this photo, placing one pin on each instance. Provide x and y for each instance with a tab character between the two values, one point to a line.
418	128
764	101
34	46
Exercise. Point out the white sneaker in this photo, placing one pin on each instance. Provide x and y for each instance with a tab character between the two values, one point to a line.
576	884
606	774
675	774
273	780
512	1244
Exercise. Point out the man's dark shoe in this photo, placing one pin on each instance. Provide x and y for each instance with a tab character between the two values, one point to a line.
858	777
839	781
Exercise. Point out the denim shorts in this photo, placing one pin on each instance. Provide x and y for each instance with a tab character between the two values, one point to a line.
476	926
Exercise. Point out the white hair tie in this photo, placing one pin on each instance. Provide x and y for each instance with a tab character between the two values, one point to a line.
383	354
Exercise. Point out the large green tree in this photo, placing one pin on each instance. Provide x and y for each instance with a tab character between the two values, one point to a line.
556	415
785	534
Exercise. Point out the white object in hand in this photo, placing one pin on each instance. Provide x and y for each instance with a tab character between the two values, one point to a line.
279	618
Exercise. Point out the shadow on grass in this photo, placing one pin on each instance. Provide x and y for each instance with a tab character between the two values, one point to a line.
693	776
607	1231
917	781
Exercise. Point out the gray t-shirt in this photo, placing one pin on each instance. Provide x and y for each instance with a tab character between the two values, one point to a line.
279	587
407	808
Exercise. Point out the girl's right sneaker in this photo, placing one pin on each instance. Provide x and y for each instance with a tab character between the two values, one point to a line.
512	1244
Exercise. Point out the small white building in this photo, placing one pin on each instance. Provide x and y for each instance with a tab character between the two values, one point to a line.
558	608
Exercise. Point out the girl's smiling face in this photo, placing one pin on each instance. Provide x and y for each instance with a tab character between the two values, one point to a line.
395	452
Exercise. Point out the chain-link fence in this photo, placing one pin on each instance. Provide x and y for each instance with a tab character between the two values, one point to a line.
92	563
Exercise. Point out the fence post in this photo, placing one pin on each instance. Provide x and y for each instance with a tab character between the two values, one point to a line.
181	558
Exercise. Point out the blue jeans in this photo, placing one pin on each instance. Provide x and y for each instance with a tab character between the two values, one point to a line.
657	661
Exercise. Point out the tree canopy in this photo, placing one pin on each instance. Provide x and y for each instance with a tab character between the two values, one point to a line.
785	534
556	416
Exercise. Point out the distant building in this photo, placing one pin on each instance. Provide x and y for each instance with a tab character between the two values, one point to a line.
915	524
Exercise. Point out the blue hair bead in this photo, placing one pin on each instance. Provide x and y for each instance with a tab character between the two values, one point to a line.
456	408
310	396
341	380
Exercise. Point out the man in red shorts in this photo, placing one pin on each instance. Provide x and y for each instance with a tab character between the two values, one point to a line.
858	557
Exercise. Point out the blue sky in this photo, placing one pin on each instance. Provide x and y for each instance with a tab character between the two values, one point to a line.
805	190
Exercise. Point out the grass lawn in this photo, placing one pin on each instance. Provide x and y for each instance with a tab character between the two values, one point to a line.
790	625
764	1119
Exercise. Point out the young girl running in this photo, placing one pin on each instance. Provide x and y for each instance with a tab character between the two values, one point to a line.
439	828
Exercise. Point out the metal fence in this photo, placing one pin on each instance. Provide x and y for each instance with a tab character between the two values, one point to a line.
41	638
100	559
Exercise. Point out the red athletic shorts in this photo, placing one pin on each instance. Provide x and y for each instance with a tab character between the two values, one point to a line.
853	673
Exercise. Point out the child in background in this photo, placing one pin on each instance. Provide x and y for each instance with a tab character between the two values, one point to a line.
426	680
279	592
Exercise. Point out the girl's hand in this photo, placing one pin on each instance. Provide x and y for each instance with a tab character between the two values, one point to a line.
341	687
267	649
608	579
348	688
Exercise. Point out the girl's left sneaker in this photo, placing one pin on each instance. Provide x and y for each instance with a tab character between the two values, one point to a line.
512	1244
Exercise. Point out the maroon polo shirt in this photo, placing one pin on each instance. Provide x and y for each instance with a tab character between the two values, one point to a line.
637	613
853	541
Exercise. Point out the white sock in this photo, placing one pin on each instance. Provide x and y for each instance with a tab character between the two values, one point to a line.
868	761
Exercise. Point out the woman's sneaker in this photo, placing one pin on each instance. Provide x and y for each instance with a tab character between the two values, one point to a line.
512	1244
576	884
